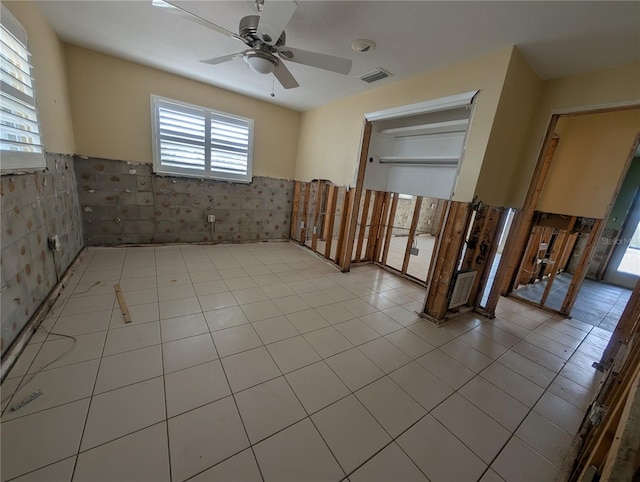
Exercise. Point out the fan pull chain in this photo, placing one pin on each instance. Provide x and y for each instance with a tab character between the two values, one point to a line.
273	85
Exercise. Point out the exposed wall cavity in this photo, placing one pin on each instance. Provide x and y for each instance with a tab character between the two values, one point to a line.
124	202
34	207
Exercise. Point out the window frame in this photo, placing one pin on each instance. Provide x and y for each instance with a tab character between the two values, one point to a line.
207	172
13	160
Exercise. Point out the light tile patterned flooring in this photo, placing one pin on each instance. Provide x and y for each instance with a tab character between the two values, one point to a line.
262	362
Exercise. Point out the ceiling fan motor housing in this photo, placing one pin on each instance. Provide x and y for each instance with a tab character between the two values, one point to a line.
248	30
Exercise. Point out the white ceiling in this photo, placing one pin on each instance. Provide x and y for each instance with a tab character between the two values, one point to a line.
557	38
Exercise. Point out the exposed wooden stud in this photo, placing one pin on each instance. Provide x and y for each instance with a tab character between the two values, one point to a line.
362	166
382	226
363	225
295	210
330	221
481	252
583	264
514	250
556	267
486	272
449	251
343	255
316	216
375	224
305	213
412	233
389	232
328	212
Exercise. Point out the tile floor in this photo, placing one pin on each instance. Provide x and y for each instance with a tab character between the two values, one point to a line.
262	362
598	303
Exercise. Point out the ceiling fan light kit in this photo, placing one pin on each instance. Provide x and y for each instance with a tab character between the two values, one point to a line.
258	33
260	62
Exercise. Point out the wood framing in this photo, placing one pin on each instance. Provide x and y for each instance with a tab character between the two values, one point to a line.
295	209
374	226
330	216
343	254
478	258
363	225
412	233
316	215
362	166
583	264
447	257
522	222
383	226
389	231
305	213
557	255
486	273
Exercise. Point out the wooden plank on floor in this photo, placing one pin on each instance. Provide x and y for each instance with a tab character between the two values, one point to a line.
124	309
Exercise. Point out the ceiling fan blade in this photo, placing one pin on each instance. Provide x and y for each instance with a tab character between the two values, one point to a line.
222	59
172	8
275	17
314	59
284	76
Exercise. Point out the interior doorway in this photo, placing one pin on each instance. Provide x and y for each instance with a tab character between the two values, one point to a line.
579	251
623	266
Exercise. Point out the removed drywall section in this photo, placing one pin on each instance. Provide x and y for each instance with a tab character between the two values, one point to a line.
589	162
110	101
49	69
34	207
125	203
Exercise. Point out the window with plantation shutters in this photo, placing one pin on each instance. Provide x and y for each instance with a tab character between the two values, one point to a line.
20	138
193	141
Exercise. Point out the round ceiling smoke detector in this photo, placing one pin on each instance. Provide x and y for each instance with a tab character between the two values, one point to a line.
363	45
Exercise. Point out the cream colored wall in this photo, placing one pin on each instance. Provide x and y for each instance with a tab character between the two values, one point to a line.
51	80
110	102
330	136
518	102
589	162
607	87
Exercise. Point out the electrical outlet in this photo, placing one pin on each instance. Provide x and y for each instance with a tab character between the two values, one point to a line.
415	251
315	230
53	242
302	224
211	218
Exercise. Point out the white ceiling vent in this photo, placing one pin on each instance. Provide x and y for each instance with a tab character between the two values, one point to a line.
374	75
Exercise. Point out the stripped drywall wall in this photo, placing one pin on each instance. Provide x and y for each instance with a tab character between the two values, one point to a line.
34	207
124	202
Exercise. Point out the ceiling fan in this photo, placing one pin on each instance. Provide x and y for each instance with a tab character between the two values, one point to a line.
264	35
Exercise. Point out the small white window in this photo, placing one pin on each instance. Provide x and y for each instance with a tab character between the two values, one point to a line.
20	140
194	141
